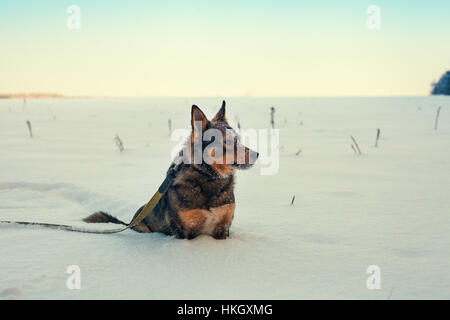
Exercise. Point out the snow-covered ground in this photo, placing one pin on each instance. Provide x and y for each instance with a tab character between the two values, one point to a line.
389	207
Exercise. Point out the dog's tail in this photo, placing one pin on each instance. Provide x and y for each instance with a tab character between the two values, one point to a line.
103	217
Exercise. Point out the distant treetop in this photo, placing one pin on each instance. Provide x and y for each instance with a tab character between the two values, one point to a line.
443	85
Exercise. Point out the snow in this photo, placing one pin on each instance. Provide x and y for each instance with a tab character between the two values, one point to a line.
388	207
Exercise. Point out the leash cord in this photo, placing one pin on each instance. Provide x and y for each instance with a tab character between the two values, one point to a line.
151	204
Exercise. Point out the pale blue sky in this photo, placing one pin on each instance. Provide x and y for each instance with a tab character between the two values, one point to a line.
223	48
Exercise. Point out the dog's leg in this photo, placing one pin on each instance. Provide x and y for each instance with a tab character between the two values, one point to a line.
220	233
141	227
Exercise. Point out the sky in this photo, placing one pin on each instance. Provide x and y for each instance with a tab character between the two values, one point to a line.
223	48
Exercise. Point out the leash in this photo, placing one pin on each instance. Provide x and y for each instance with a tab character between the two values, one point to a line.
151	204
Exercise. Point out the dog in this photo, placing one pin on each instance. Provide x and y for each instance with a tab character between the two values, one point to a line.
201	199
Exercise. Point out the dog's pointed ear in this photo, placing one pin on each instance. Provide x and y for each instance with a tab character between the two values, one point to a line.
199	121
221	113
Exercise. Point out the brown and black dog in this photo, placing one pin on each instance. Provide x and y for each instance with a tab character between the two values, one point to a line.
201	199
